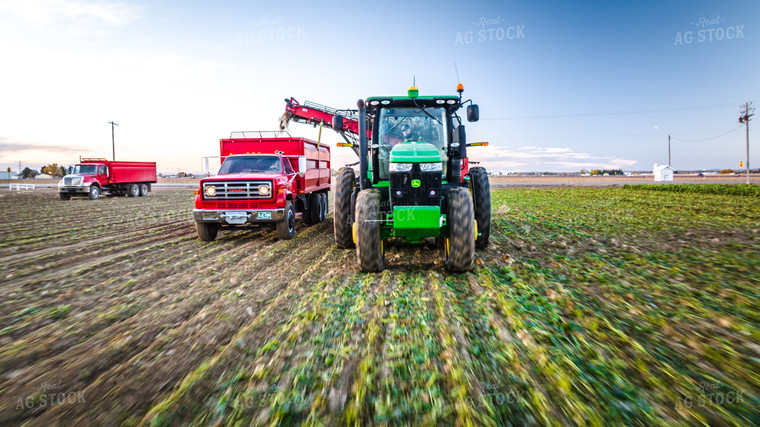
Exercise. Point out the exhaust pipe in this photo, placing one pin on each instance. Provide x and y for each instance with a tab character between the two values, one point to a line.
363	184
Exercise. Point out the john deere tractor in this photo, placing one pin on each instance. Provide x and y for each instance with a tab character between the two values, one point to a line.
414	181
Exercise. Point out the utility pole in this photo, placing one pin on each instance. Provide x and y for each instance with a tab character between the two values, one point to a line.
669	151
113	143
744	118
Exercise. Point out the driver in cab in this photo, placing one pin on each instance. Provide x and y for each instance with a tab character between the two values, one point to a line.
407	134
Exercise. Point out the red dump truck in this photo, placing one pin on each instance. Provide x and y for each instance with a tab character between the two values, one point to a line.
93	177
264	181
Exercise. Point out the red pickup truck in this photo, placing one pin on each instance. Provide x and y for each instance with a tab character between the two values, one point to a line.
264	181
93	177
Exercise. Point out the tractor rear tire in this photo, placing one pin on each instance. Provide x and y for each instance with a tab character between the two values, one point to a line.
369	245
481	197
207	231
286	228
460	245
342	220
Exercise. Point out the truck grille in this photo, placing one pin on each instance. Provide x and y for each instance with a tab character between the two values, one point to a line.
74	180
237	190
237	205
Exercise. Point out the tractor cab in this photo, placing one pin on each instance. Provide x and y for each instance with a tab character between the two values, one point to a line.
417	135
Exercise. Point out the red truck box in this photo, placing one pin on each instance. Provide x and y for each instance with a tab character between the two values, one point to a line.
93	177
265	181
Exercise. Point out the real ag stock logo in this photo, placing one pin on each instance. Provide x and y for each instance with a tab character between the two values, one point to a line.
490	30
709	30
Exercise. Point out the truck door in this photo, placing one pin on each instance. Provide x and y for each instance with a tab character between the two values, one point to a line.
102	175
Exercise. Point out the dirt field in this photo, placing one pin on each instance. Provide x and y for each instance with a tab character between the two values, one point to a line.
591	306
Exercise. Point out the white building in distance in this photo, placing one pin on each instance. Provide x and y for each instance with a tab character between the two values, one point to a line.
662	173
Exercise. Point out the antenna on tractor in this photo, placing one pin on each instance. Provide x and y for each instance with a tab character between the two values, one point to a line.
460	87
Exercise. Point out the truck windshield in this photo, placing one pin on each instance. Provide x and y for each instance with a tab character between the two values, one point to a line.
249	164
411	124
86	169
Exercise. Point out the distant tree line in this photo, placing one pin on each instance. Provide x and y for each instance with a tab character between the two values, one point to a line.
51	169
603	172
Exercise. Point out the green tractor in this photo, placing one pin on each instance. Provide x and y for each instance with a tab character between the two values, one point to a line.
414	181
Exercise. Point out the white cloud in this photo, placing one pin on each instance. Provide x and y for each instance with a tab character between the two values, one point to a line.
545	158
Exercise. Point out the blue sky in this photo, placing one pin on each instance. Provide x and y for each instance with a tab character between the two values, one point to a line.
561	86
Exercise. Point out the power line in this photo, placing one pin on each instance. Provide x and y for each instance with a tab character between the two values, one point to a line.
615	113
708	139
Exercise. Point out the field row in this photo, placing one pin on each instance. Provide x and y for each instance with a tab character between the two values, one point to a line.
589	306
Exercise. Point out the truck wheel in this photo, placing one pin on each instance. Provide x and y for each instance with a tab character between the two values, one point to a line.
64	196
94	192
481	197
143	190
460	245
134	190
323	206
369	246
286	229
207	231
310	216
342	208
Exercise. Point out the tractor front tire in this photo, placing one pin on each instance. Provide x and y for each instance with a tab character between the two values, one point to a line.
342	220
460	245
481	197
369	245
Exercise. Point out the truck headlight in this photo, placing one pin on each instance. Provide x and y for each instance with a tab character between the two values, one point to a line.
60	183
264	190
431	167
210	191
400	167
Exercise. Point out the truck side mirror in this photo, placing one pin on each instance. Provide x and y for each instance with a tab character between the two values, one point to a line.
473	113
337	122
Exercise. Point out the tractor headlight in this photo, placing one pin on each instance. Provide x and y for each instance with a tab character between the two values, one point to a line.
431	167
264	190
400	167
210	191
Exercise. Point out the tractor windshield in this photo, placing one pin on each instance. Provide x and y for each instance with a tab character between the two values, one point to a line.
86	169
250	164
411	124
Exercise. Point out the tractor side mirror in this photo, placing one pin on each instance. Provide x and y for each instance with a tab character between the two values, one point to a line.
473	113
337	123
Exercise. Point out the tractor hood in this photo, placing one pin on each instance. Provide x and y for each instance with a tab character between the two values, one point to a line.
415	152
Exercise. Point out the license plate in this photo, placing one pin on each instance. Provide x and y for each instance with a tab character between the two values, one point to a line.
264	215
236	217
